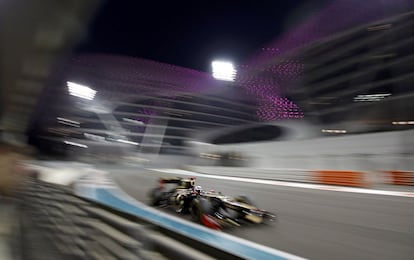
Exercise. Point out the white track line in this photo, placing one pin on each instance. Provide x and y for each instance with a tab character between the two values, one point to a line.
291	184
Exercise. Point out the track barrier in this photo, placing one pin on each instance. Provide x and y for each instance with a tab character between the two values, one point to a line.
85	230
93	219
350	178
343	178
401	177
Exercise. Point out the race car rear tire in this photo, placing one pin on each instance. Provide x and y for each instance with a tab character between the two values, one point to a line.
155	196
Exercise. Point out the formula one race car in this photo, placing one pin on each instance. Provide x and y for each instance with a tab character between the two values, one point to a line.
210	208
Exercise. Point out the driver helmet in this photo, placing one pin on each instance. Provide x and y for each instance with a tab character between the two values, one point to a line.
198	189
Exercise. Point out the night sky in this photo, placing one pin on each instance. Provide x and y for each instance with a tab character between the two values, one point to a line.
191	33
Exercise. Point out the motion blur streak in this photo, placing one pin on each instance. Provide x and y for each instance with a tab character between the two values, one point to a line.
313	223
290	184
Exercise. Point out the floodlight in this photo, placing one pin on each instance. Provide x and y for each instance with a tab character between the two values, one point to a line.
81	91
223	70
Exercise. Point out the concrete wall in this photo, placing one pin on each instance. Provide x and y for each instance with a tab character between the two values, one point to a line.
377	151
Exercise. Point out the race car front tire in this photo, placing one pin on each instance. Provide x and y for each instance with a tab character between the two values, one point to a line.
200	206
202	211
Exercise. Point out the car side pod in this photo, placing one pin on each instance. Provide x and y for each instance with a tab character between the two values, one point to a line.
209	222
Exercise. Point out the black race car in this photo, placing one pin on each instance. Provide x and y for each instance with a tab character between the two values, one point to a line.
210	208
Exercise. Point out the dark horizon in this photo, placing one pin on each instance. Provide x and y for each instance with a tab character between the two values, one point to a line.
190	34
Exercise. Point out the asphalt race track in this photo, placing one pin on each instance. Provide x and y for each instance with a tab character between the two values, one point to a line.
313	224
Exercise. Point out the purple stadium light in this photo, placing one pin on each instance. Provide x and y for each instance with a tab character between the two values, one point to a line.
337	16
138	76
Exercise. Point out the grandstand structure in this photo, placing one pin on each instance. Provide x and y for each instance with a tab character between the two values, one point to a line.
354	73
349	77
148	106
361	79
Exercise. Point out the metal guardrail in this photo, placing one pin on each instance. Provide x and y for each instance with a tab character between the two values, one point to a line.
86	230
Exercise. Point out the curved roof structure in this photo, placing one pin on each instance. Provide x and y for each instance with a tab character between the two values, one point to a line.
152	104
